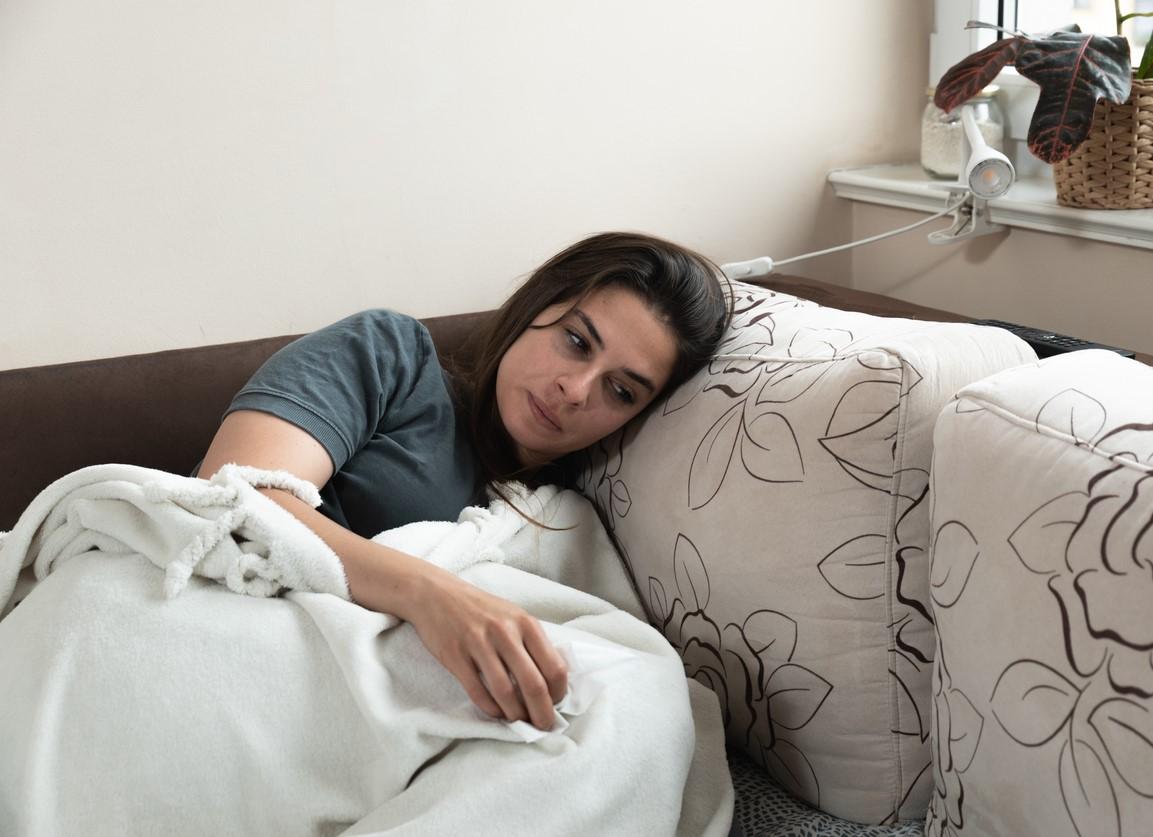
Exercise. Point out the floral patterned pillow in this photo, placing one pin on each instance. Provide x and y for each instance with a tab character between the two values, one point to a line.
773	513
1042	590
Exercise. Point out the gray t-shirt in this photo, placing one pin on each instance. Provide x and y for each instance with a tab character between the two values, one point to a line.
371	390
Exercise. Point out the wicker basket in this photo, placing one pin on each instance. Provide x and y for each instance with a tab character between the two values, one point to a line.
1113	168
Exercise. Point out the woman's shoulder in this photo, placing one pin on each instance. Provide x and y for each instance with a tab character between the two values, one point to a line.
382	327
384	318
374	344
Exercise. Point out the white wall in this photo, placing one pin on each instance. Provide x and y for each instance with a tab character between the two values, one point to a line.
1085	288
177	173
1088	289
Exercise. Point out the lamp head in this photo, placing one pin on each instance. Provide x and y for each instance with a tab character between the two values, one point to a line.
987	172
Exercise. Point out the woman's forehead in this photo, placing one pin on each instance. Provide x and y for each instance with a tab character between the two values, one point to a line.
604	297
621	321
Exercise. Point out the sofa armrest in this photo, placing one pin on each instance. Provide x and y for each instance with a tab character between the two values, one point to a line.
1042	592
159	410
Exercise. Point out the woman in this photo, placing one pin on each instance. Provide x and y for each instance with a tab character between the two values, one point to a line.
363	409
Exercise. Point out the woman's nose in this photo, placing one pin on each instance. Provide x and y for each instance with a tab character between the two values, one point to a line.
575	386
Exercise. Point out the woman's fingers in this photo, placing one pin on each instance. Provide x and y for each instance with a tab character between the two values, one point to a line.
531	688
469	676
499	653
497	680
549	662
522	671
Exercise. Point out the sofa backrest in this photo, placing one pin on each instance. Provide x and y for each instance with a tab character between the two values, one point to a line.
159	410
773	512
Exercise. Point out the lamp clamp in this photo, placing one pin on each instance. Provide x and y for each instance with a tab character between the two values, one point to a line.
970	219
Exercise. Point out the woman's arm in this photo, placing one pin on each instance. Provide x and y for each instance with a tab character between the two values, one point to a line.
497	651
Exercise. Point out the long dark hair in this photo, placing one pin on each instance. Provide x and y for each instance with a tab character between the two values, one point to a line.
680	286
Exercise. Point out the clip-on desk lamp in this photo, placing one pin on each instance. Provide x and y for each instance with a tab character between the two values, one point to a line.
985	174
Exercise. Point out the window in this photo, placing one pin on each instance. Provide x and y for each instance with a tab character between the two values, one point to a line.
1096	16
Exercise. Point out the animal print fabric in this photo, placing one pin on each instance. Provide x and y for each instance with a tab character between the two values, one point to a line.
764	809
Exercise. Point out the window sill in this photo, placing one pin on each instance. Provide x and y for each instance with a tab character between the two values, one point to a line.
1030	204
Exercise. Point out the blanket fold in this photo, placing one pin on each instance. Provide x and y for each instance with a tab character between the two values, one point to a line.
222	528
290	710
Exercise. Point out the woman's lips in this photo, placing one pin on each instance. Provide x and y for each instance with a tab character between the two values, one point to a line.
542	414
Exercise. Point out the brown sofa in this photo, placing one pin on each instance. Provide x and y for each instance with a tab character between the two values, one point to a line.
161	409
158	410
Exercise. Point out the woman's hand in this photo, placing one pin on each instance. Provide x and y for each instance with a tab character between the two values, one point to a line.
498	652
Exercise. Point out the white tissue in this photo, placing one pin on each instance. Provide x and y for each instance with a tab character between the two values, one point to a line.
588	663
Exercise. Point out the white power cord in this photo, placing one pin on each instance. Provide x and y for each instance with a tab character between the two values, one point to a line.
764	265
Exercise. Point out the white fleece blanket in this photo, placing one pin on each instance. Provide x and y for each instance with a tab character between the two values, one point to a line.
140	695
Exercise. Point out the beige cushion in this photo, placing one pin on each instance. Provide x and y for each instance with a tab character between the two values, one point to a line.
773	513
1042	589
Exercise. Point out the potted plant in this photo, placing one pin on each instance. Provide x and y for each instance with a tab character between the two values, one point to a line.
1094	116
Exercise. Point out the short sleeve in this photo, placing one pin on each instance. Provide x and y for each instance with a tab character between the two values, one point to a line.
343	383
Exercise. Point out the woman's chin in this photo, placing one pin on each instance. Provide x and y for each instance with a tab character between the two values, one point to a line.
530	457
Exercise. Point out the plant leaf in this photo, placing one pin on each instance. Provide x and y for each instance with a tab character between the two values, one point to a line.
967	78
791	769
795	695
1040	541
856	568
955	551
965	727
691	574
711	460
769	450
1087	791
620	499
1126	730
905	679
791	382
1032	701
1072	411
770	635
1146	68
658	600
1073	70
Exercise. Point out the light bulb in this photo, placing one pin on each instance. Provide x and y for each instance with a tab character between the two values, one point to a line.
988	172
990	177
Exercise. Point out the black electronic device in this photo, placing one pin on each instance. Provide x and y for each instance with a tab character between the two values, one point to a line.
1048	343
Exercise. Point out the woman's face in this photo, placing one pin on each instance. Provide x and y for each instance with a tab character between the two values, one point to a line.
562	387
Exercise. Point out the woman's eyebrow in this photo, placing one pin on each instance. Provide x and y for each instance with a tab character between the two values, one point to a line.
641	379
596	336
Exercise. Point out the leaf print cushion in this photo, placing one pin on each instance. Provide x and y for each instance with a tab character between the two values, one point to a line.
773	513
1042	591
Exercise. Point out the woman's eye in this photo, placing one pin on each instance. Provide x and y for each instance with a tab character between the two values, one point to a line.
577	341
622	394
